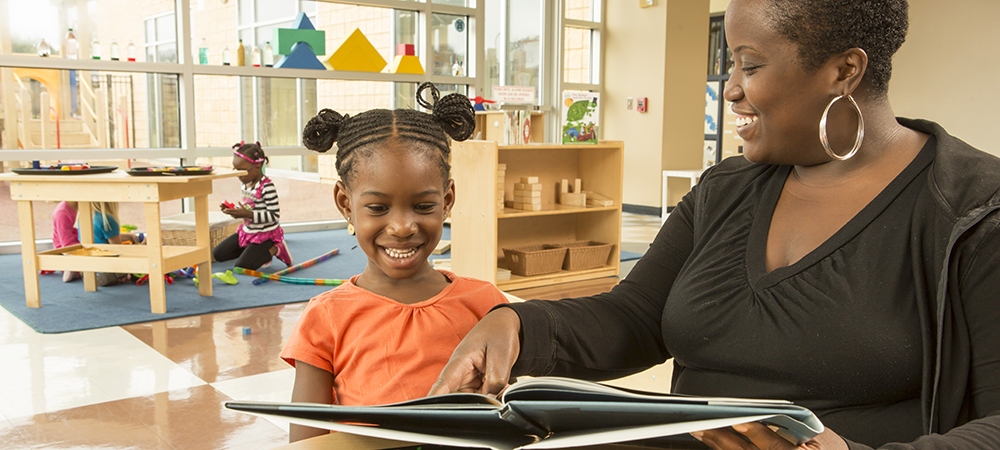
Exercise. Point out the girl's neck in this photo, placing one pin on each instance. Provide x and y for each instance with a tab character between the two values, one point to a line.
254	182
422	286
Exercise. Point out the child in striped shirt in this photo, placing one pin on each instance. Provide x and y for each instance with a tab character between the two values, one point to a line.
261	237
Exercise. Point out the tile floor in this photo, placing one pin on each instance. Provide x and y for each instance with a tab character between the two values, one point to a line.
160	385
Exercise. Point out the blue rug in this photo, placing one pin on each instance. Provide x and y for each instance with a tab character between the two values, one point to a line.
68	307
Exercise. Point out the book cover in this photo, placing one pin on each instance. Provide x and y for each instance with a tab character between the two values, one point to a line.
580	117
545	412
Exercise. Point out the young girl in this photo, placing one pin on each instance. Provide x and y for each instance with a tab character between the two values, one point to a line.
260	237
385	335
107	231
64	232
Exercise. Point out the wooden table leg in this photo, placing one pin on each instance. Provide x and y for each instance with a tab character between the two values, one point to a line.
157	288
29	256
86	214
203	240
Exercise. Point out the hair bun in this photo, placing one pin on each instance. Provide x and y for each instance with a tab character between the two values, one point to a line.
453	112
321	131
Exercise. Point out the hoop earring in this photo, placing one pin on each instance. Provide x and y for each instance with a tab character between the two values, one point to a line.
825	140
350	227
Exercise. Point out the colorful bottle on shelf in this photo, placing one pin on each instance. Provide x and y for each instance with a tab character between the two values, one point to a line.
225	56
71	49
43	48
241	54
131	51
114	50
255	57
203	51
268	55
95	49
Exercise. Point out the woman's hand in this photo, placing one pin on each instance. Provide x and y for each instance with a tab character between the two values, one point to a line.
762	438
482	361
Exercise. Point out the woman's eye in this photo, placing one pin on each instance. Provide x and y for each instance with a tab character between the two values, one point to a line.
750	69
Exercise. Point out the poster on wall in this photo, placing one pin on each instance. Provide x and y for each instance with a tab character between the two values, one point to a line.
712	107
710	151
580	117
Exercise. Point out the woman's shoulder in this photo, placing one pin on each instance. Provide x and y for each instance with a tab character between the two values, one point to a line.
963	177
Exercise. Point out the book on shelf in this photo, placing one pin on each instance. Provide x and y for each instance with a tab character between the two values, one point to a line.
546	412
580	117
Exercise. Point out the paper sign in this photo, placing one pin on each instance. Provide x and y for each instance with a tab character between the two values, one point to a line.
514	94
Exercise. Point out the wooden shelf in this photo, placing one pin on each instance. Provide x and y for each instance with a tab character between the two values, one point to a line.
480	232
554	209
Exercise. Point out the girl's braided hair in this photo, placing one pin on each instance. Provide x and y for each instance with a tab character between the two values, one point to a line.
253	151
355	136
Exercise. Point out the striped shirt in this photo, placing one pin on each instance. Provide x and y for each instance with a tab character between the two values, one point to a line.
264	198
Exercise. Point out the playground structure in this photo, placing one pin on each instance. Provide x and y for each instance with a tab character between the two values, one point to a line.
65	109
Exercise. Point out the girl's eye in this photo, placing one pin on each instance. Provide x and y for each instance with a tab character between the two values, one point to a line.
376	209
425	207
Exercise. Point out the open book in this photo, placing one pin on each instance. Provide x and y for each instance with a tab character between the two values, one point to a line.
545	412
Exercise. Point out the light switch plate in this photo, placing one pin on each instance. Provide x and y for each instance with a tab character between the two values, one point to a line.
628	103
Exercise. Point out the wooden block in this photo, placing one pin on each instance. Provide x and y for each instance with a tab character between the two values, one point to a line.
501	166
520	193
443	246
531	200
508	203
564	186
577	186
596	199
529	180
528	186
572	199
528	206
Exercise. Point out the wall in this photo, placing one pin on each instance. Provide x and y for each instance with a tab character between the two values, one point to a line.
658	53
935	72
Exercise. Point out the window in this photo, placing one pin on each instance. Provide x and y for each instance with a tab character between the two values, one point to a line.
582	43
160	45
515	45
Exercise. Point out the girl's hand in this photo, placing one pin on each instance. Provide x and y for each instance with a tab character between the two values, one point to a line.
763	438
238	213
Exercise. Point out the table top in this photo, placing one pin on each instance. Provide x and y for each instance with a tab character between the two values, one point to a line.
120	176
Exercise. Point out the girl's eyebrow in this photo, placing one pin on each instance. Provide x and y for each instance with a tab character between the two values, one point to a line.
418	194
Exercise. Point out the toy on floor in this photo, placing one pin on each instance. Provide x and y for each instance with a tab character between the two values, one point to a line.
310	263
226	277
142	278
284	279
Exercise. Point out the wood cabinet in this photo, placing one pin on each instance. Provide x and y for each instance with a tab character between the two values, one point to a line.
479	231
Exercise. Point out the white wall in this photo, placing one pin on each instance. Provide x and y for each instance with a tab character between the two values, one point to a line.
946	70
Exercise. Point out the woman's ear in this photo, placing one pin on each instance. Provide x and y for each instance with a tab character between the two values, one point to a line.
449	198
342	197
851	67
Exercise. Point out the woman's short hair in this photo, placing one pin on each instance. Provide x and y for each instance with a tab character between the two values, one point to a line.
823	28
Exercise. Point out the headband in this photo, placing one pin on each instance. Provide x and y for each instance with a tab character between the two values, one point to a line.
256	162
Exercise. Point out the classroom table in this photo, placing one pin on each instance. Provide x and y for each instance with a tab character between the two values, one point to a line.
345	441
117	186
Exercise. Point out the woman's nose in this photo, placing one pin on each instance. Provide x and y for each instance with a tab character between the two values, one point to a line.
733	90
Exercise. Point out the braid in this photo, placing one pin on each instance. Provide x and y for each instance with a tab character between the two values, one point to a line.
359	136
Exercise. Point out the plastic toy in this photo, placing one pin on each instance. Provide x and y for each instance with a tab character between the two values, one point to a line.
46	272
128	228
144	277
301	57
246	331
406	60
228	205
358	54
226	277
300	266
479	103
289	43
291	280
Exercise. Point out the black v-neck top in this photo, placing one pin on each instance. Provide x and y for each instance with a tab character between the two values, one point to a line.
737	330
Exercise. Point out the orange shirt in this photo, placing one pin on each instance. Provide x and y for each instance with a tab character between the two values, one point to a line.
382	351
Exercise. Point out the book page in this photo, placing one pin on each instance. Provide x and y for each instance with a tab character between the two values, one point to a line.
522	390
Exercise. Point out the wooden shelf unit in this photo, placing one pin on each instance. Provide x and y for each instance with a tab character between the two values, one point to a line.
479	232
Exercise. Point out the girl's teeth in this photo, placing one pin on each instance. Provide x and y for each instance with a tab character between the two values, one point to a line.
742	121
400	254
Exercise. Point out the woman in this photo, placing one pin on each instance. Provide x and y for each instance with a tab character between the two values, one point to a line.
852	271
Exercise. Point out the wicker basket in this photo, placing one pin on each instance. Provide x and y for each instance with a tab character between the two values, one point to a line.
582	255
179	230
536	259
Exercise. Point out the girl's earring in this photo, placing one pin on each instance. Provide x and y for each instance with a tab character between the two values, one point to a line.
350	227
